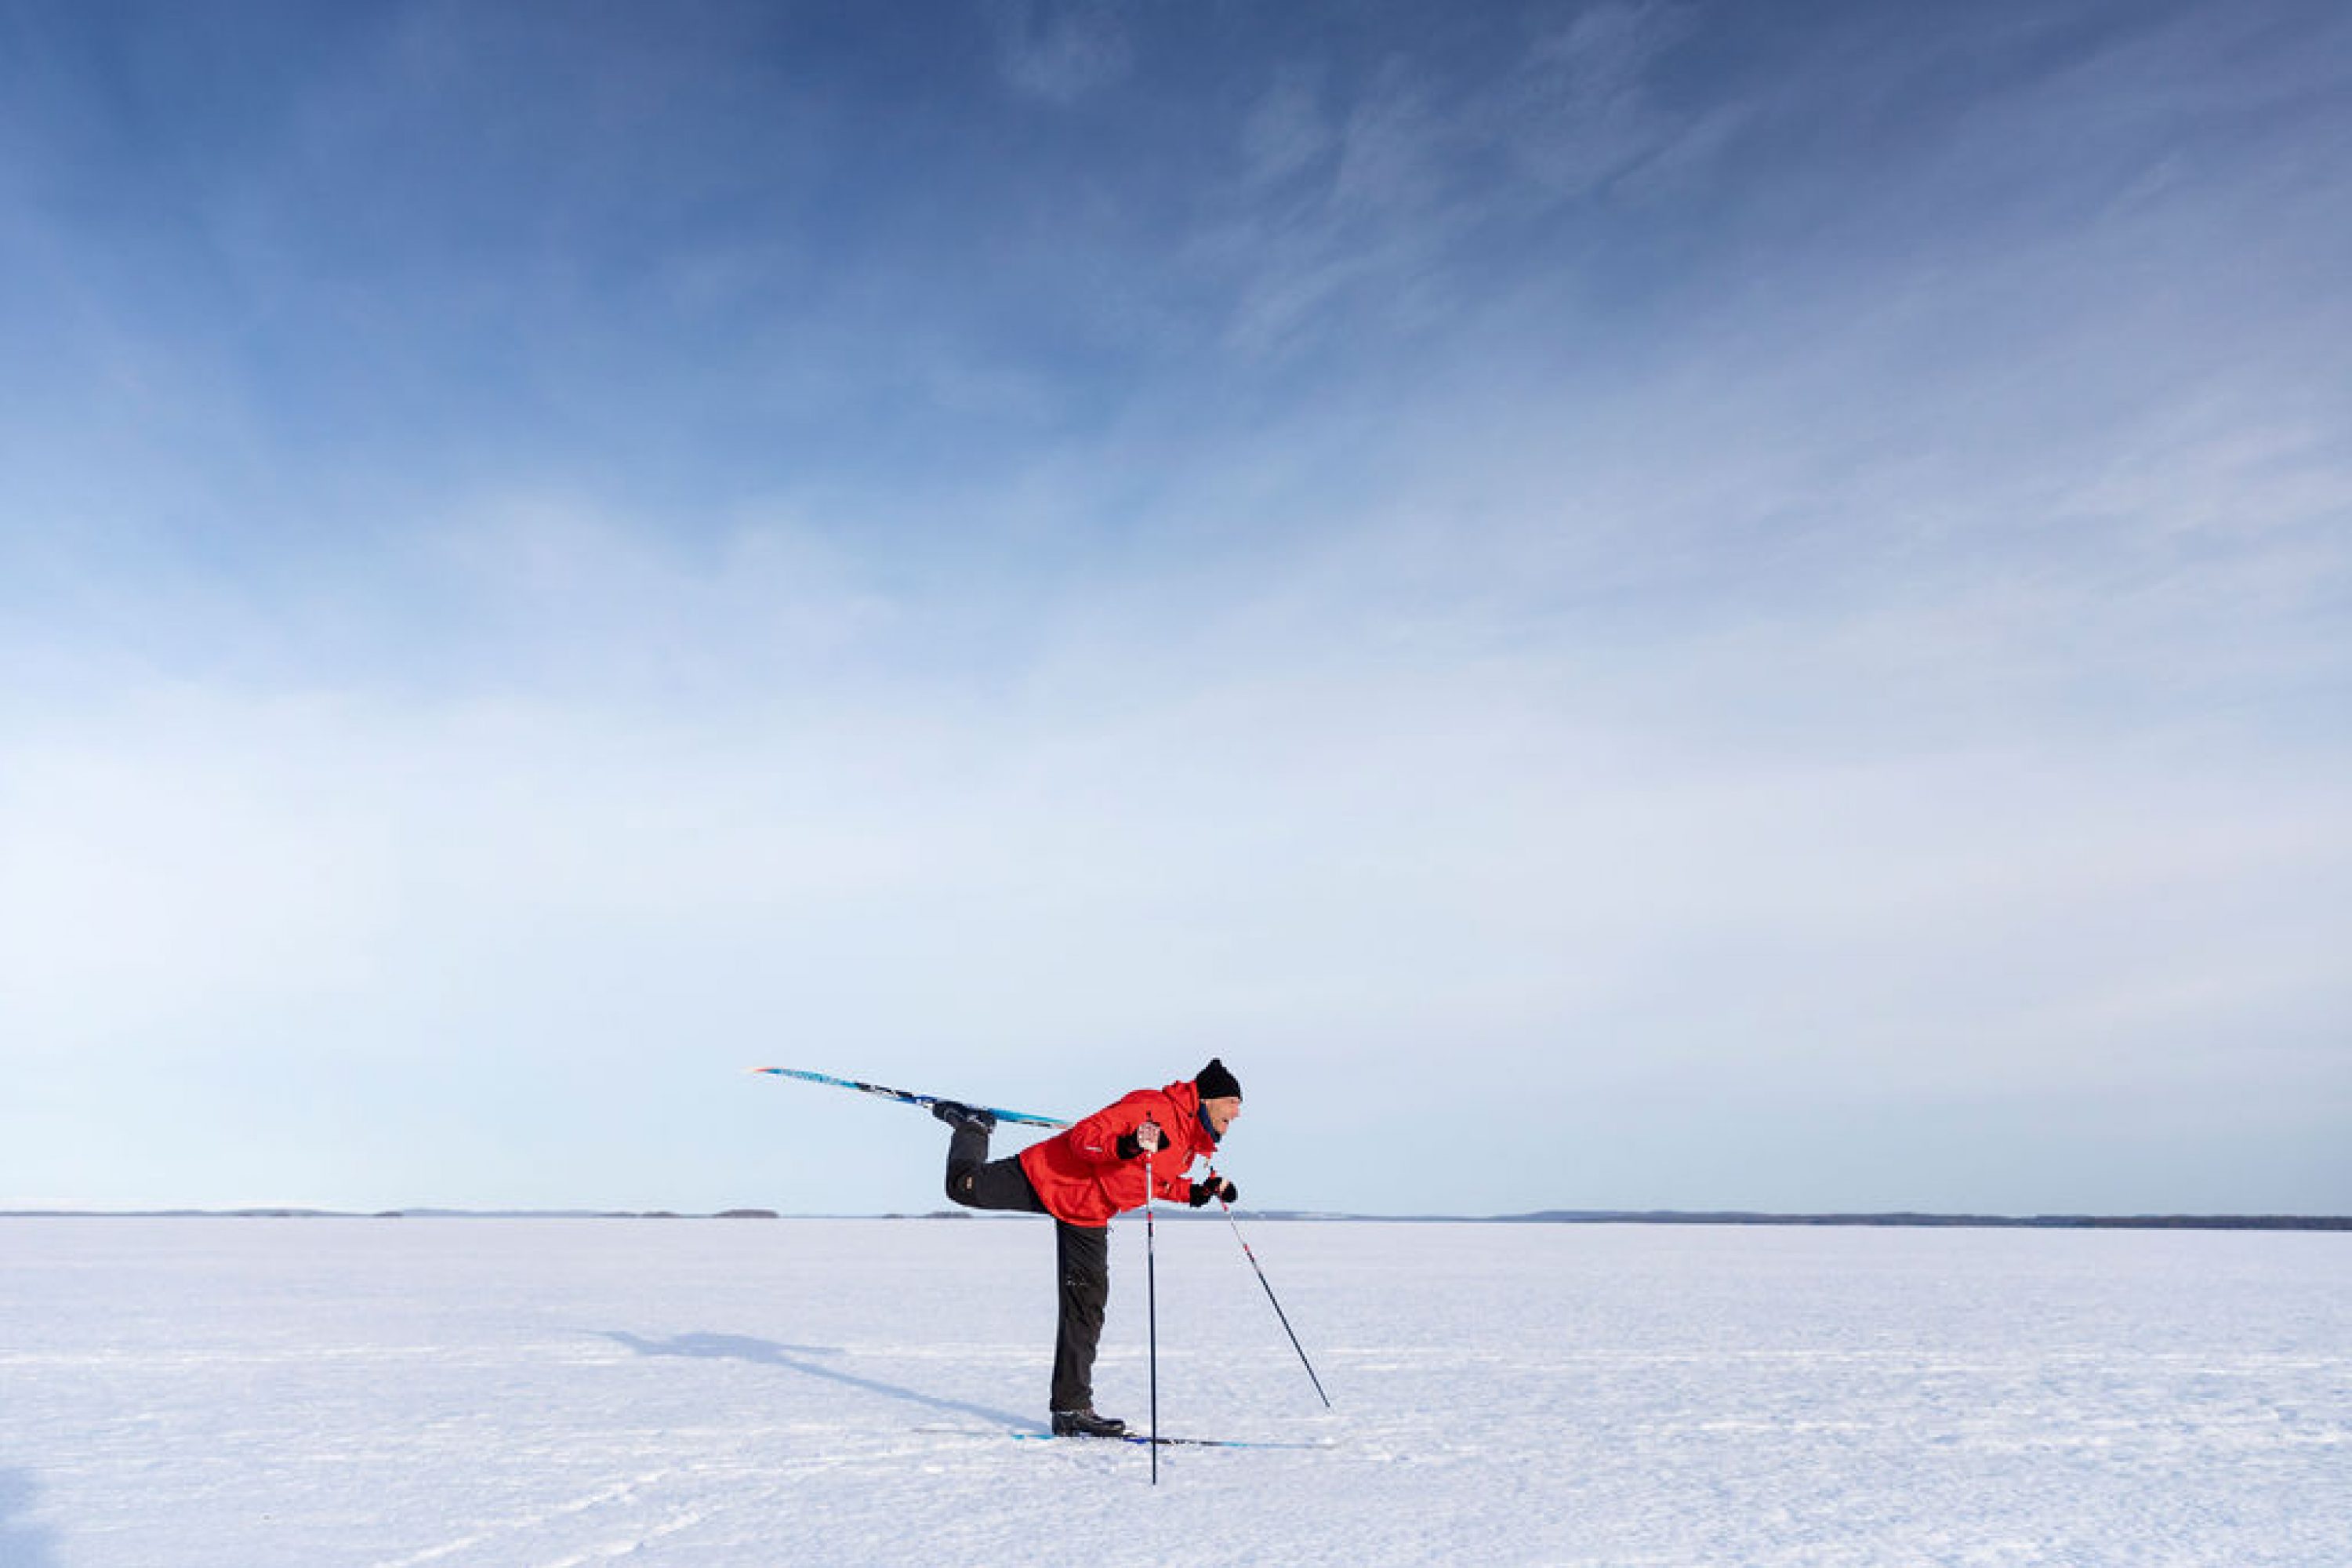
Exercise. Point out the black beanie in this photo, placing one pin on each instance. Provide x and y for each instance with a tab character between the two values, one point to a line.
1216	1083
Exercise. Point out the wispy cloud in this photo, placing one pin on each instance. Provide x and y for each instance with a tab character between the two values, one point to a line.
1387	197
1579	109
1062	50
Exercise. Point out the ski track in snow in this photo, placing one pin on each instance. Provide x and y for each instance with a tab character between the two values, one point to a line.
468	1393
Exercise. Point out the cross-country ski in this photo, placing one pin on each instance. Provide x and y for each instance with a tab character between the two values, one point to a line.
908	1096
1135	1437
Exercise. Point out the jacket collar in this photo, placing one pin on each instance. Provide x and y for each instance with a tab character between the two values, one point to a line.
1186	1097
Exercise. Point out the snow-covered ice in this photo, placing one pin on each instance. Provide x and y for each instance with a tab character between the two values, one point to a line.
458	1392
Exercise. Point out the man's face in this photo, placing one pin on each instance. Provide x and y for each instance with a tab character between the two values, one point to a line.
1220	1111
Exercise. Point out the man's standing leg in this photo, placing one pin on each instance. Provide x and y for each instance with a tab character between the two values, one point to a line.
1083	1256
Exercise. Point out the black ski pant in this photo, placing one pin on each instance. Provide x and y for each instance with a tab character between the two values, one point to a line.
1082	1259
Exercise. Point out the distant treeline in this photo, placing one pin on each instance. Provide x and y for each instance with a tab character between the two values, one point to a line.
2004	1222
1547	1216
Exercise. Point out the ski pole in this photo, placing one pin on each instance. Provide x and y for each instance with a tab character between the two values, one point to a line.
1269	1289
1152	1308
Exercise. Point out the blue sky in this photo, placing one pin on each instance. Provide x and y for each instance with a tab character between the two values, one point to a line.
1620	606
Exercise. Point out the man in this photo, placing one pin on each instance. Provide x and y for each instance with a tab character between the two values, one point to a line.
1082	1177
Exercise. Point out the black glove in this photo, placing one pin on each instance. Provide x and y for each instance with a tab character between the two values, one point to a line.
1220	1188
1131	1145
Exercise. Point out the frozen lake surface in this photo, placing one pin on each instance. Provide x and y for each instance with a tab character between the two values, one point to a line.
256	1393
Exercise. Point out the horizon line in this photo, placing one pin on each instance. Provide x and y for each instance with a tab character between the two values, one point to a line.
1892	1219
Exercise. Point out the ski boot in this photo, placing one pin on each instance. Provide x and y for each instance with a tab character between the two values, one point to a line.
1087	1423
963	1118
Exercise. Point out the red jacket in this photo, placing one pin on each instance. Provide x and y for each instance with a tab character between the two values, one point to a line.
1082	1179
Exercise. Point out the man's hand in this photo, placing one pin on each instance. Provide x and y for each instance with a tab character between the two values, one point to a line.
1216	1187
1144	1139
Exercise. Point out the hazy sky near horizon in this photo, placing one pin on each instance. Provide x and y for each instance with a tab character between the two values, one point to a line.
1618	605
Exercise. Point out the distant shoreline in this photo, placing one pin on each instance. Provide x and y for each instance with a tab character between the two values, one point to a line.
1547	1216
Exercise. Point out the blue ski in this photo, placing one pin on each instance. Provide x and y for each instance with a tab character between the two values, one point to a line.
1182	1442
1137	1437
905	1097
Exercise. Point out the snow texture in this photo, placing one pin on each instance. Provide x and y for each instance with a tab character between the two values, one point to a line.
402	1393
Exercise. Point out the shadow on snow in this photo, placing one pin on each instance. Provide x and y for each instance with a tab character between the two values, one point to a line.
765	1353
23	1545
